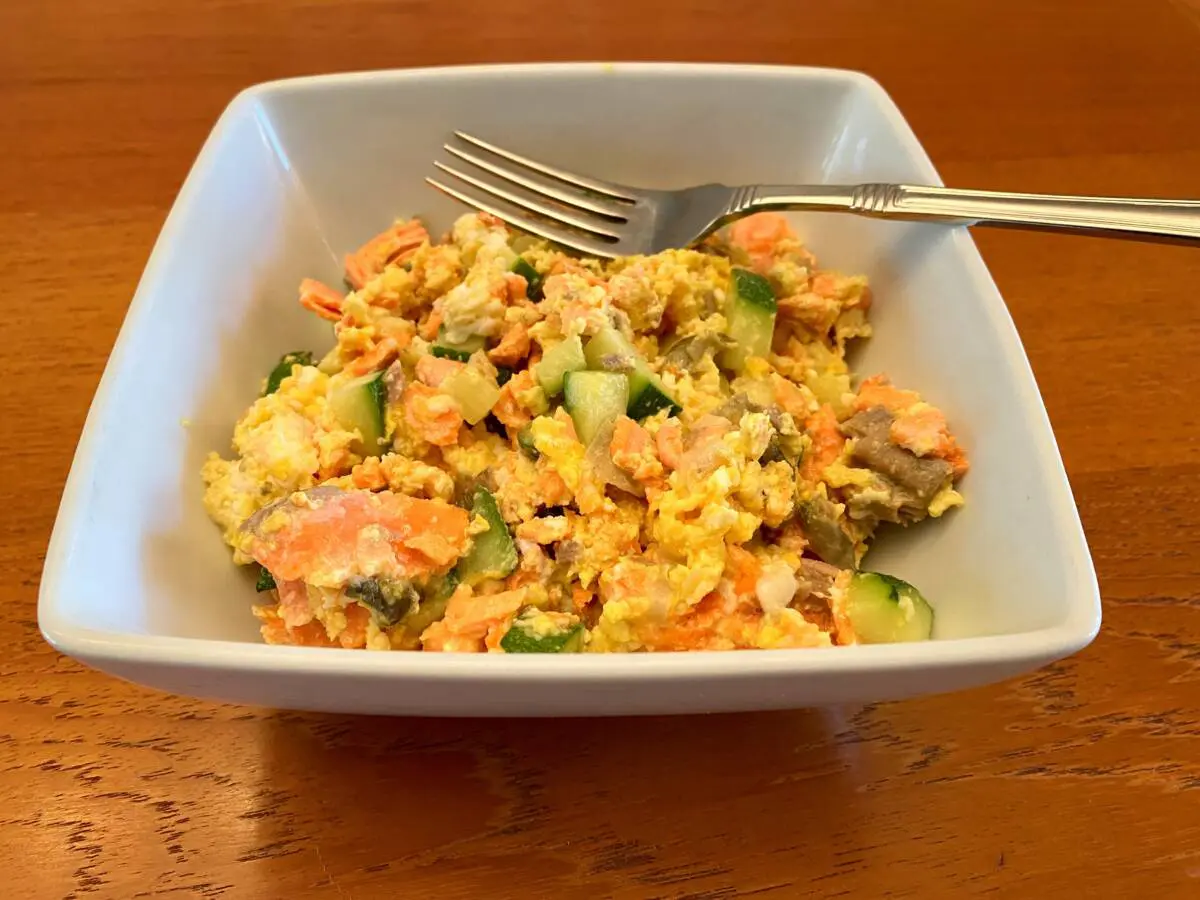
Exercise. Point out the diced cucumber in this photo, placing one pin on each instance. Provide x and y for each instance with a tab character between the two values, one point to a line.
533	281
443	352
359	404
594	399
558	361
283	368
647	396
430	610
527	634
492	554
475	392
611	351
751	288
750	313
388	599
441	587
432	607
266	581
526	443
884	610
460	351
503	375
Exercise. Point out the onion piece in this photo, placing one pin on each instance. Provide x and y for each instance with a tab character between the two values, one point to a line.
395	381
599	457
776	587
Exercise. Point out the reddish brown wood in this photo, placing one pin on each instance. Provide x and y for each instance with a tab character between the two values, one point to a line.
1080	778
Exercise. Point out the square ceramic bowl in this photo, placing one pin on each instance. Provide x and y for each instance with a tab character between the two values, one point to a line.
138	583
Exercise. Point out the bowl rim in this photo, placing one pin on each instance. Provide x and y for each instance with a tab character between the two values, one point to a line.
1076	631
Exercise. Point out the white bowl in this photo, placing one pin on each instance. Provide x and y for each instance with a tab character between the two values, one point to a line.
139	584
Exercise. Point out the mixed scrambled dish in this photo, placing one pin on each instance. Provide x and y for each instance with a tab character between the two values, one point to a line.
512	449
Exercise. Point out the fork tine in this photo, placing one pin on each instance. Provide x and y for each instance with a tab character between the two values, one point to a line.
558	235
592	226
588	184
544	186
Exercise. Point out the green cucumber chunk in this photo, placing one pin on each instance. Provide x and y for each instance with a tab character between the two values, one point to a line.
533	281
750	313
526	443
266	581
558	361
439	588
611	351
283	368
443	352
359	404
503	375
885	610
528	635
432	606
647	396
460	352
594	400
492	553
475	392
388	599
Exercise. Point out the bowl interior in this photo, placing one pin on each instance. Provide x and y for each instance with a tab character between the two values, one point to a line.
299	172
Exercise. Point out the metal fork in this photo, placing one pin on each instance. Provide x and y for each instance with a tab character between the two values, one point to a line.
603	219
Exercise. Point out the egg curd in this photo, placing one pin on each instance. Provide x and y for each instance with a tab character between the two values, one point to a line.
512	449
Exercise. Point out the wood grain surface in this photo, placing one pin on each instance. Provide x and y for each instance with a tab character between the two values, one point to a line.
1083	777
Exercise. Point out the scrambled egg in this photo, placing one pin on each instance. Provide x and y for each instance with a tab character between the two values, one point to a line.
283	443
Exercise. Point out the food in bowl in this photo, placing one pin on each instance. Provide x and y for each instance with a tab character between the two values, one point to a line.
512	449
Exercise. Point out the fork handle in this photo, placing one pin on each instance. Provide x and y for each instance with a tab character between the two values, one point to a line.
1126	217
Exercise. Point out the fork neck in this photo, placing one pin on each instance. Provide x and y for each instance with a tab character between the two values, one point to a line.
770	197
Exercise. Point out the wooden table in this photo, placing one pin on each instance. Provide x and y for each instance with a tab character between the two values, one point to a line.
1082	777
